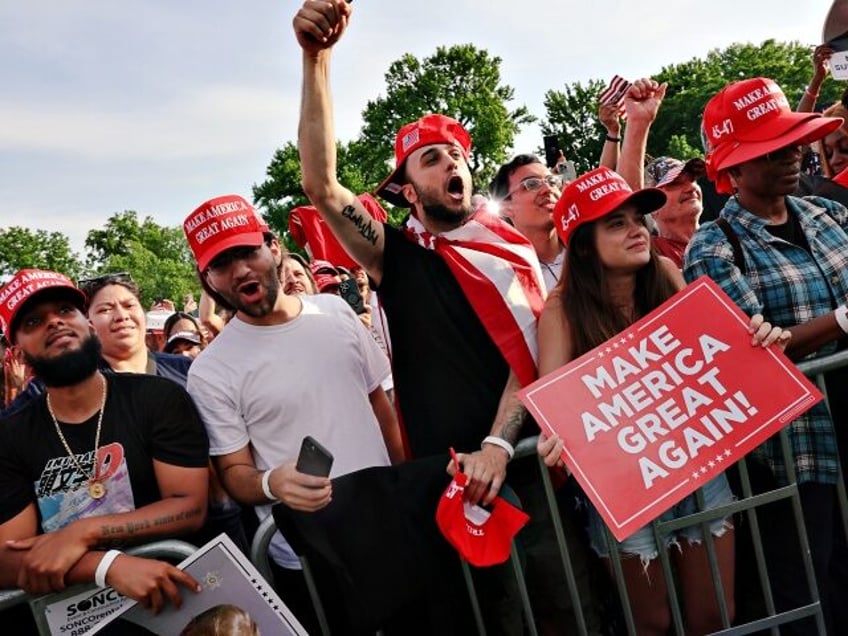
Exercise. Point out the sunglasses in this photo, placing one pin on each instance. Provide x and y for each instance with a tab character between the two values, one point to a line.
533	184
226	258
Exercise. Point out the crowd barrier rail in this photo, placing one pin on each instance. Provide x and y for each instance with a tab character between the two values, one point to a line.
169	549
746	505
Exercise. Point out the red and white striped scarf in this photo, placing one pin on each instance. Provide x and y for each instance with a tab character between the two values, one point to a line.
498	271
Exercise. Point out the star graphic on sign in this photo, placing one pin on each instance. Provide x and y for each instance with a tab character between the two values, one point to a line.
600	354
719	458
711	464
623	341
213	580
703	469
630	336
727	453
695	475
615	345
609	350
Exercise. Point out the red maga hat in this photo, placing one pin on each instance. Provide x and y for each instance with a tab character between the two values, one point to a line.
750	118
24	287
429	130
480	536
220	224
596	194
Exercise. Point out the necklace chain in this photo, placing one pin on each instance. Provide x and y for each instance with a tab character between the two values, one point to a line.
94	473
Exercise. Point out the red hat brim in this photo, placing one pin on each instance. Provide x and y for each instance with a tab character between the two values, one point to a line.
790	128
247	239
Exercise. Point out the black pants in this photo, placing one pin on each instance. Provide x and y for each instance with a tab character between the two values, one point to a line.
783	556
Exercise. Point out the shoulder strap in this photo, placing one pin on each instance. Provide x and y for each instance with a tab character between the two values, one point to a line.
738	255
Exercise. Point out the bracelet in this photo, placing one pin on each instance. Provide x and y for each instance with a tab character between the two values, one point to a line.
841	314
499	441
614	140
811	93
266	486
103	567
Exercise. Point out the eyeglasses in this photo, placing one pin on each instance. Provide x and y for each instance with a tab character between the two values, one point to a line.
782	154
226	258
90	286
533	184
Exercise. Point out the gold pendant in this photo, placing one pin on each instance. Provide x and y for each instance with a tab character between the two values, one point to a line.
96	489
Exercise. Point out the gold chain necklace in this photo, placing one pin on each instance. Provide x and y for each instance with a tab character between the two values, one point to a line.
96	488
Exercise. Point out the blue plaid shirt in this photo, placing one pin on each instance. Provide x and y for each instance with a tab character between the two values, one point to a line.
789	286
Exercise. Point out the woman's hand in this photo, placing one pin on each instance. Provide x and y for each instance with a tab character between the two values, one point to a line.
764	334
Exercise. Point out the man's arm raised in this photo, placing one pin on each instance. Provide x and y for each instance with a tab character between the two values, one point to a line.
318	26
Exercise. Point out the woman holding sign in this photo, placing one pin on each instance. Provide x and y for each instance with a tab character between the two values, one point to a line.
611	278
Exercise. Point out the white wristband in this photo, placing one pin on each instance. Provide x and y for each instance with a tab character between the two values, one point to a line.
841	314
266	486
103	567
499	441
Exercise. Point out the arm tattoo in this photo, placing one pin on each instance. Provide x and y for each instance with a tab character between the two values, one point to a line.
362	223
513	424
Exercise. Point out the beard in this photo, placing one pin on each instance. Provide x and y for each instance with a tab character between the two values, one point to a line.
68	368
439	211
270	281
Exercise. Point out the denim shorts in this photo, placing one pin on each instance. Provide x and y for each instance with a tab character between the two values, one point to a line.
642	543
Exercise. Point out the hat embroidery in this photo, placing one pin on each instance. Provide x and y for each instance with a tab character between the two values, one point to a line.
409	139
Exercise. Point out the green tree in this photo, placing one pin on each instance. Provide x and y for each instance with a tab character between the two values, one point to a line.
157	257
22	248
281	192
572	115
460	81
692	83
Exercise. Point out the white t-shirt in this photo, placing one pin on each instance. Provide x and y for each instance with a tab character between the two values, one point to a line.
272	386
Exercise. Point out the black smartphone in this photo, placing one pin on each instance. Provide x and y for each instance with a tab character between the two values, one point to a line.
349	290
551	150
314	459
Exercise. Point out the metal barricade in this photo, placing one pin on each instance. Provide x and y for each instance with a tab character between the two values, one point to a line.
171	549
746	505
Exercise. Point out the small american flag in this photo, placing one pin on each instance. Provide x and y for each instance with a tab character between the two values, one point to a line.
409	139
614	93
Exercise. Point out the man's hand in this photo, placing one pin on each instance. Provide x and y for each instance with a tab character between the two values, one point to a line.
49	558
298	490
821	63
610	119
148	581
643	100
550	450
319	24
486	471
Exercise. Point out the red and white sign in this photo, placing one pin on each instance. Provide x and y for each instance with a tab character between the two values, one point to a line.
655	413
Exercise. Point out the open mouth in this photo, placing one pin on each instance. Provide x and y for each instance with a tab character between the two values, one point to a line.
250	291
456	188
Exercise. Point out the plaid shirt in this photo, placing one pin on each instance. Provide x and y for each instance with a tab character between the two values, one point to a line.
789	286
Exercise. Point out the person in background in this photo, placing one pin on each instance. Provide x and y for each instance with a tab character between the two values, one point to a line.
297	276
677	219
526	192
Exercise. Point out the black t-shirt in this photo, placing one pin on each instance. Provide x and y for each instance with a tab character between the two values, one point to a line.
146	418
449	375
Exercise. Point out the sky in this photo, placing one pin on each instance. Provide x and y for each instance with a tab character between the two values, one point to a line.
157	105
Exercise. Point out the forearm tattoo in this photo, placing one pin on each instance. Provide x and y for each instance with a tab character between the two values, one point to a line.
362	224
513	424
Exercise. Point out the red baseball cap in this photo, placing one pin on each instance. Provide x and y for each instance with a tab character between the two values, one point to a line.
221	223
25	286
750	118
596	194
429	130
480	536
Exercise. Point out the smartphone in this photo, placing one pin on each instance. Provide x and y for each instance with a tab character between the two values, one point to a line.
551	143
349	290
314	459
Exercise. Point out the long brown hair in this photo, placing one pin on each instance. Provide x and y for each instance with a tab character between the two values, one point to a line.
585	295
